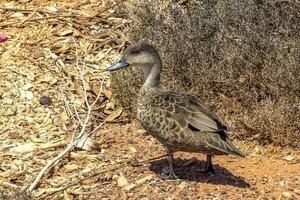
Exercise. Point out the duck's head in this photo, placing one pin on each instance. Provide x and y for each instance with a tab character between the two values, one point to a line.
141	55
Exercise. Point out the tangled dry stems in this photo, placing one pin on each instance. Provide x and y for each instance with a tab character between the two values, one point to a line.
240	57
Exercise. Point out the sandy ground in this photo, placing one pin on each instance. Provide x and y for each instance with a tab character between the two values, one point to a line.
262	176
39	59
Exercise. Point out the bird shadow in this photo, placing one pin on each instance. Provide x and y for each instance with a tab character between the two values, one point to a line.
191	170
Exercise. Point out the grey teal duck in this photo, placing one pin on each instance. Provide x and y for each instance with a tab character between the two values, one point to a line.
179	121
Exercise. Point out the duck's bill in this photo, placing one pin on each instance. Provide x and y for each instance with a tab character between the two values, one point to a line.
119	65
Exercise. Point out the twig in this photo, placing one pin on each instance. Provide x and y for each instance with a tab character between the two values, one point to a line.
37	19
27	10
96	174
74	140
48	165
8	185
27	19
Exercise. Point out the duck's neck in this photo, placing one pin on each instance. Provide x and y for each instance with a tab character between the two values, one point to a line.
152	74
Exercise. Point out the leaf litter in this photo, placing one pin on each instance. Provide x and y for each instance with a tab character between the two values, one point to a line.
37	60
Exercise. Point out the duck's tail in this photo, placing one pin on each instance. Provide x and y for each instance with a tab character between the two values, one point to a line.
224	145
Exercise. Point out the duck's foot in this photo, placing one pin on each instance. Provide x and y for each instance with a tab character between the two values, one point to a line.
167	174
209	167
172	176
169	170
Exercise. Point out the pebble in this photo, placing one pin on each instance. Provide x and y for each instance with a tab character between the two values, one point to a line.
286	195
45	100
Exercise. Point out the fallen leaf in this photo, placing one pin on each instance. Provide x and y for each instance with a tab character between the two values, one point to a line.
24	148
107	93
96	88
145	179
182	185
108	176
70	168
138	182
66	32
89	13
17	15
258	150
52	9
122	181
38	54
64	116
88	144
114	115
129	187
288	158
132	150
27	86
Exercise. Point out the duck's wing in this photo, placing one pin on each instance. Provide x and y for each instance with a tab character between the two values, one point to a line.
191	109
192	115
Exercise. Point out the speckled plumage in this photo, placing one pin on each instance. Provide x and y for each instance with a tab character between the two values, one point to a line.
181	122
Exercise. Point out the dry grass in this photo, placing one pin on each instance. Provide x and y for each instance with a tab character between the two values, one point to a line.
240	57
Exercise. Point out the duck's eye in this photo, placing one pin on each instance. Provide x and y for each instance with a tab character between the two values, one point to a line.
135	51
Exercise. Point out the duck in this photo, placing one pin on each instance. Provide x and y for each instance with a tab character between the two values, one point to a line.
179	121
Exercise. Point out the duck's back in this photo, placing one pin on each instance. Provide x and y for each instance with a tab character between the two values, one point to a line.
182	122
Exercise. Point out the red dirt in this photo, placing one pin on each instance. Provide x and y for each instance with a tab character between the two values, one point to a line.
265	176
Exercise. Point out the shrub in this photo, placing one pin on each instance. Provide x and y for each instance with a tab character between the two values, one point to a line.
240	56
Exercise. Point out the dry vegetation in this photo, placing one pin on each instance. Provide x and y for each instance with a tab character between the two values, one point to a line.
240	57
59	49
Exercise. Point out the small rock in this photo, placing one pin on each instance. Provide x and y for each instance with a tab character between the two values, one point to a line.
286	195
27	95
45	100
38	54
108	176
132	149
110	106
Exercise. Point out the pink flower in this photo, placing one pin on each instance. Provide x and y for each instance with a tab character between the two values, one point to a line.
3	38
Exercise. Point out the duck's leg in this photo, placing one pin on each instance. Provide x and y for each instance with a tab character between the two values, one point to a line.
209	167
170	162
171	168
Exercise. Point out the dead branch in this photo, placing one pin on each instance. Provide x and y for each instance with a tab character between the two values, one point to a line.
27	10
75	138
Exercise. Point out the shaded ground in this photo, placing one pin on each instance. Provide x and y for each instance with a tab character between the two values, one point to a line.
264	176
39	58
